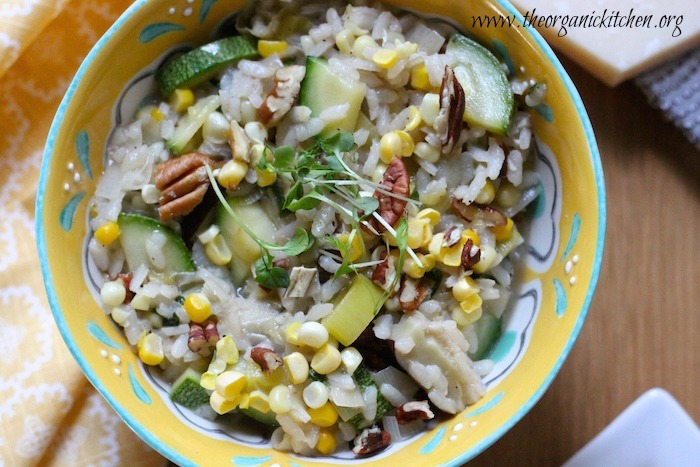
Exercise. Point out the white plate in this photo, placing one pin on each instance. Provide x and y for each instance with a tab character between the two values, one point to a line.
654	431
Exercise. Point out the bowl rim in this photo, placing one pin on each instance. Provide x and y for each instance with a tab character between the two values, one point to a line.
150	437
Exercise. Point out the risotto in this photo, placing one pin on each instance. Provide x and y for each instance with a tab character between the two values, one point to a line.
315	222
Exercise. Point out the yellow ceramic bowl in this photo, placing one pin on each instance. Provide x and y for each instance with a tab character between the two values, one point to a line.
565	249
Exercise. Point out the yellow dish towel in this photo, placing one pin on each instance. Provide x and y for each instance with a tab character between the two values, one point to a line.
49	414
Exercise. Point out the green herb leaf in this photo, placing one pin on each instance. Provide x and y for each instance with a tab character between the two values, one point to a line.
334	164
366	204
299	243
402	244
284	157
342	141
270	276
303	202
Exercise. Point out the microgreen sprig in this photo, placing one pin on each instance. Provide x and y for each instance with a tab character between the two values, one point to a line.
265	273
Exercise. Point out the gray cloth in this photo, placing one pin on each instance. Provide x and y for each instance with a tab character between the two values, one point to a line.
674	87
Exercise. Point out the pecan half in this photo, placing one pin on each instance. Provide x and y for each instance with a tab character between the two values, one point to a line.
479	216
266	358
380	273
396	181
371	440
412	293
471	254
413	410
183	182
197	341
211	333
448	122
282	96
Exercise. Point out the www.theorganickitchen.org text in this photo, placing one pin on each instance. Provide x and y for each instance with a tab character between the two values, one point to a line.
607	19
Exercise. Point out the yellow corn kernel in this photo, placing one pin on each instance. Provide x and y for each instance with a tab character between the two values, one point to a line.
326	442
435	245
257	151
427	152
503	232
354	245
181	99
464	289
414	119
157	115
107	233
361	44
419	233
378	172
434	198
313	334
221	405
429	108
198	307
486	195
151	349
431	214
385	58
216	367
244	401
389	146
232	173
113	293
227	350
471	234
259	401
217	251
344	41
297	367
230	384
291	333
120	314
488	257
265	177
420	79
326	360
407	144
413	270
405	49
267	48
351	358
324	416
452	256
279	399
465	319
140	302
315	394
471	304
508	194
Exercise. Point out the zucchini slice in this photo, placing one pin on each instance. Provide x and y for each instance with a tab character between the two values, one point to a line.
138	231
488	95
200	64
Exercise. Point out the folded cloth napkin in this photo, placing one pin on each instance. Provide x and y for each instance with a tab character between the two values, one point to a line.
674	87
49	414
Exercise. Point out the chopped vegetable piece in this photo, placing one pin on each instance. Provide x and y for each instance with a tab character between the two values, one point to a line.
354	311
363	378
187	392
136	233
488	95
202	63
323	88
